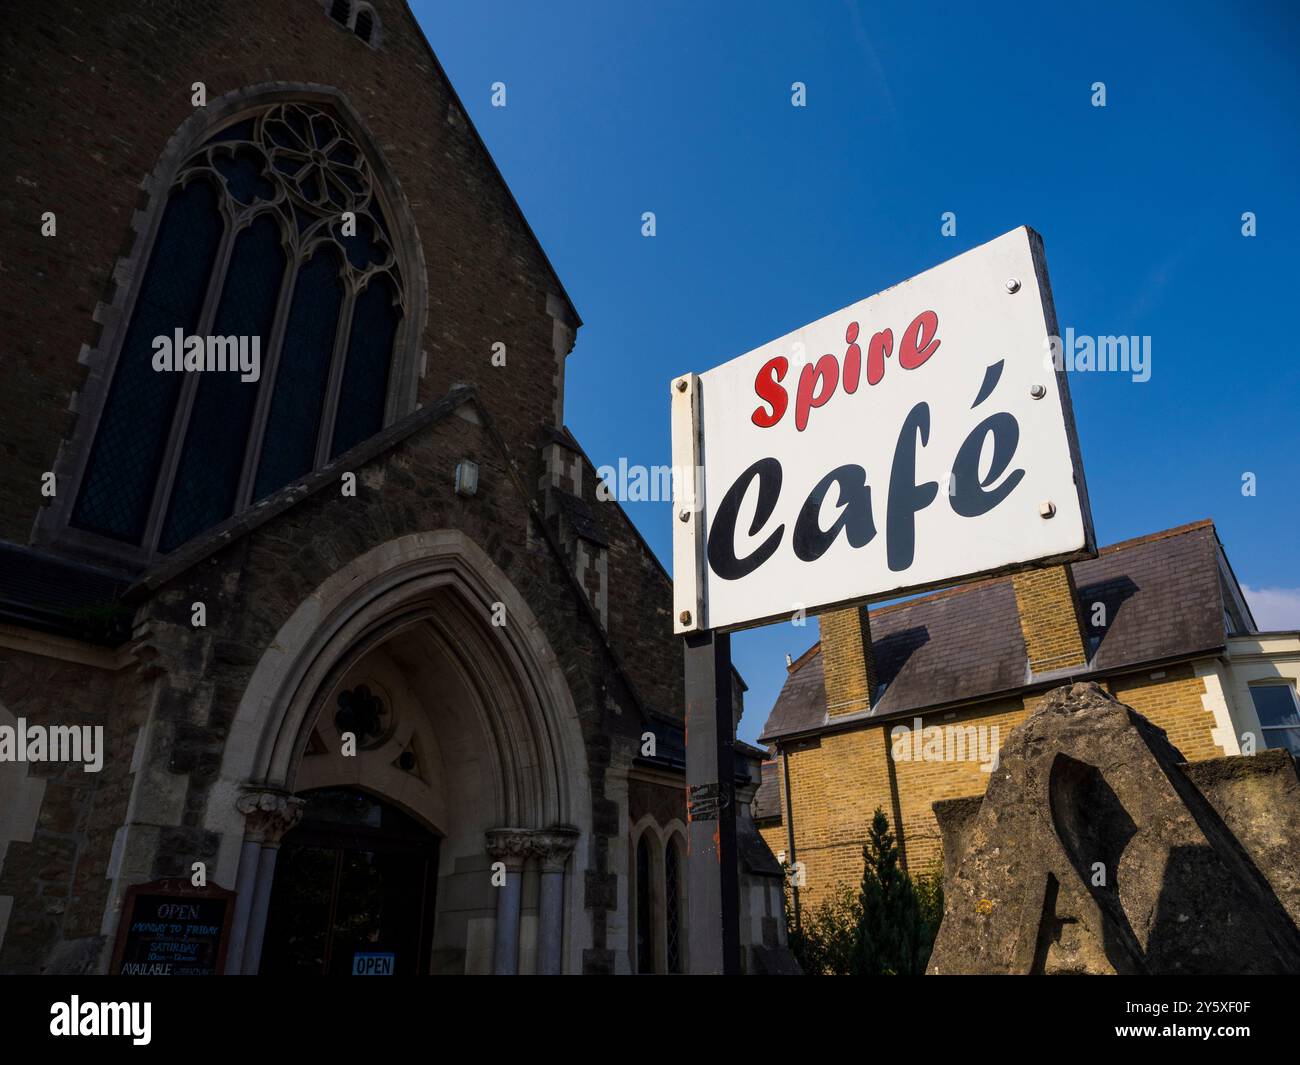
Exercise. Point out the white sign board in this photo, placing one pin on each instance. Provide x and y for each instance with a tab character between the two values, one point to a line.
917	438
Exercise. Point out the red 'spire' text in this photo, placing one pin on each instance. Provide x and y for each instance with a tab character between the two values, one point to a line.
818	381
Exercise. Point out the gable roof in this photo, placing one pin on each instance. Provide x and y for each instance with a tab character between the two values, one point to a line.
1162	600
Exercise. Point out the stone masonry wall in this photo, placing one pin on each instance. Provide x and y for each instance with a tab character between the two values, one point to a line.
56	876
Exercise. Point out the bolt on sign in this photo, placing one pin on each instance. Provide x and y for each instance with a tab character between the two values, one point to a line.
918	438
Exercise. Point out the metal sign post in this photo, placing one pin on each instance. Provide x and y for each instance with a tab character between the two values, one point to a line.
713	878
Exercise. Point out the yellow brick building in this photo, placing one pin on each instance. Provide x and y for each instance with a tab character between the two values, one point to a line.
904	705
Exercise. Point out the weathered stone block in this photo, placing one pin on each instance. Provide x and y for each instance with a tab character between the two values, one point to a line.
1093	852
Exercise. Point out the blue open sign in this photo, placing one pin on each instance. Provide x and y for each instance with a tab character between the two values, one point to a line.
373	964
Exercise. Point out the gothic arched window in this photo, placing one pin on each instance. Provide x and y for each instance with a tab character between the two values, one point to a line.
272	240
645	962
674	904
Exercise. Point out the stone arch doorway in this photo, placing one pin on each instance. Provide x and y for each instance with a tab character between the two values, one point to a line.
463	726
355	890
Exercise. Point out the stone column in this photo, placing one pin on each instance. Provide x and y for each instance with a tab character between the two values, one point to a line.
249	857
268	815
511	846
553	847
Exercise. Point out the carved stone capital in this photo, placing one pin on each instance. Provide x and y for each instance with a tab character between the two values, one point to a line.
510	845
514	846
554	845
268	815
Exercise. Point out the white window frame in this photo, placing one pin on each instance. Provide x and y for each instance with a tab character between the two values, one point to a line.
1264	730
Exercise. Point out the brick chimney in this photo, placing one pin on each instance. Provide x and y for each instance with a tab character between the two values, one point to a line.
847	664
1048	608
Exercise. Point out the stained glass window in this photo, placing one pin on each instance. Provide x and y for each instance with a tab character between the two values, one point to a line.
365	372
282	203
118	485
293	425
672	907
644	923
208	474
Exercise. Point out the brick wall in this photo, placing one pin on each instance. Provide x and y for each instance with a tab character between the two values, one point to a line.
922	783
774	836
837	782
1172	701
847	658
57	875
840	778
1049	618
188	683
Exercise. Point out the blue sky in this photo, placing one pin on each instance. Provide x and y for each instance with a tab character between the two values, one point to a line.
770	216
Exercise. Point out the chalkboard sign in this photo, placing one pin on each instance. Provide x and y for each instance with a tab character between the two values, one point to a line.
171	928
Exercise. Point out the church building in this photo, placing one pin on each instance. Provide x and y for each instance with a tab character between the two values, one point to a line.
309	607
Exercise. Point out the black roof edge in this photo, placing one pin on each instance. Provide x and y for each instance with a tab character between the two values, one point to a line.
112	632
1225	564
102	620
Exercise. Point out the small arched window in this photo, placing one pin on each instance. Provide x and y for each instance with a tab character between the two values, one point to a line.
645	962
273	249
674	906
365	24
356	16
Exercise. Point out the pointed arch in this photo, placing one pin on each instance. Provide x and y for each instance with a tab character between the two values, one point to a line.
520	725
646	903
447	584
676	937
253	196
